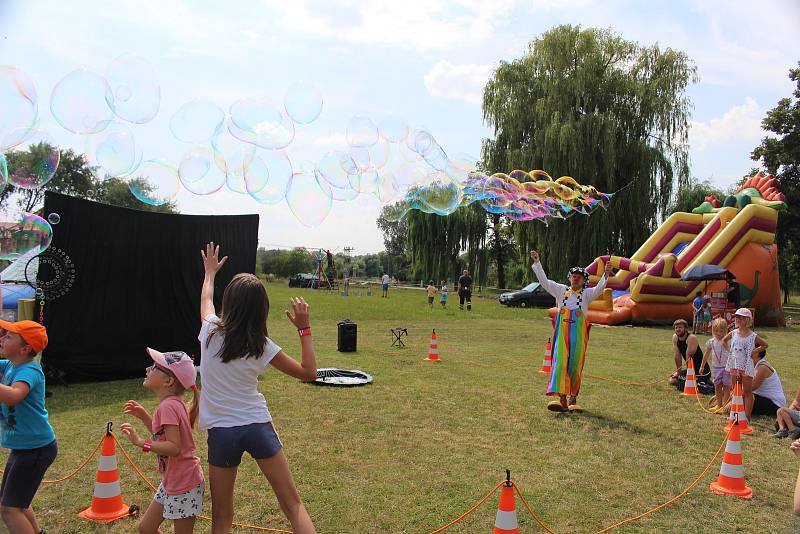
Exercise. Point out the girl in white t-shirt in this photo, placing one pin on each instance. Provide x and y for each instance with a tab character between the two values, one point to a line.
234	350
743	342
717	352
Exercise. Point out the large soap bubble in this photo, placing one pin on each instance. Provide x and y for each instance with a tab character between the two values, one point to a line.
135	94
309	199
155	182
232	157
268	177
303	102
79	102
257	121
22	233
361	131
35	161
114	150
393	128
196	121
19	106
198	172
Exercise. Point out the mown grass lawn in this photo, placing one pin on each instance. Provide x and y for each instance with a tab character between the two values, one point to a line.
425	441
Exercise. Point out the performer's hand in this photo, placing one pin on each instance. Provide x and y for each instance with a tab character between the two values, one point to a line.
608	269
534	256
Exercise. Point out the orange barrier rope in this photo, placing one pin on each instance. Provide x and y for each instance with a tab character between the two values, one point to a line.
530	511
469	512
697	396
205	517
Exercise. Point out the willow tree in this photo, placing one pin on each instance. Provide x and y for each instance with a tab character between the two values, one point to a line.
606	111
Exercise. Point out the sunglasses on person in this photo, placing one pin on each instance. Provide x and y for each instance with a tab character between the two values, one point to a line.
159	368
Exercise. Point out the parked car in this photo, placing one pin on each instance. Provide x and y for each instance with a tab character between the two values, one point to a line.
303	280
531	295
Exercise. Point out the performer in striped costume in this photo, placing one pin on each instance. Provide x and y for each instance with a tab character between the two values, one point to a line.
571	331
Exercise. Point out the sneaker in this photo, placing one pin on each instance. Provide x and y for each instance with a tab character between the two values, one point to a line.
782	433
795	433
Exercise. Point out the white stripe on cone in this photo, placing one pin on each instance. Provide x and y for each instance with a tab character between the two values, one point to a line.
506	520
732	471
106	490
107	463
734	447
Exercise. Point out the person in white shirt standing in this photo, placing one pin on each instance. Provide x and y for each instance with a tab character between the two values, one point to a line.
234	350
385	286
570	333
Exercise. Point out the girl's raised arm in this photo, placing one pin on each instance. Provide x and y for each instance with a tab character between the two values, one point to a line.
211	265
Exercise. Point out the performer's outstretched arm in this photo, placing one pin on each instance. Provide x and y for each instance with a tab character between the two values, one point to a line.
554	288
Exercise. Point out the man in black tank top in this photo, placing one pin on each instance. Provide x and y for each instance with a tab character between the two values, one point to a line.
683	344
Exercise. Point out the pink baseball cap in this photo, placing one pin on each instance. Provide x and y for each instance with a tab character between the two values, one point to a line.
744	312
178	363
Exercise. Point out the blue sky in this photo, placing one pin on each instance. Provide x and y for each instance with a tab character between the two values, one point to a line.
424	60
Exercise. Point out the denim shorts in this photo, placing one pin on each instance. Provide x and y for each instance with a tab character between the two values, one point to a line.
24	472
227	445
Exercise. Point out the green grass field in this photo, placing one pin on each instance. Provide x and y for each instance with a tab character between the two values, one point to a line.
426	441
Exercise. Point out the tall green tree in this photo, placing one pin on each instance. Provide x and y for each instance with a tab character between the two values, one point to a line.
692	193
781	156
75	177
609	112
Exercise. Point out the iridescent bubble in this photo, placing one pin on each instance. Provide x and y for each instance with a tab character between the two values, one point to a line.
361	131
258	122
3	172
155	182
20	106
114	150
441	195
135	94
198	173
79	102
364	182
54	218
393	128
22	233
303	102
268	177
35	161
196	121
309	200
389	189
232	157
461	167
335	168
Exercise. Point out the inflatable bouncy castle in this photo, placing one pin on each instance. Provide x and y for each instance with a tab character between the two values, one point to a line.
737	234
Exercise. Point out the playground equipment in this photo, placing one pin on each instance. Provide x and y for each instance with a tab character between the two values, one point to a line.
738	235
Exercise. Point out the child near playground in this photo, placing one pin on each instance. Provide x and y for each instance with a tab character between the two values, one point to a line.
698	314
25	426
235	349
743	342
443	292
718	353
570	333
385	286
431	291
788	419
179	497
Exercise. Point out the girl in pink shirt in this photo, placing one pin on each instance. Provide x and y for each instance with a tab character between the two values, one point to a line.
180	495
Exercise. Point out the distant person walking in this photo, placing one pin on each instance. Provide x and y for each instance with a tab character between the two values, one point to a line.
385	286
465	291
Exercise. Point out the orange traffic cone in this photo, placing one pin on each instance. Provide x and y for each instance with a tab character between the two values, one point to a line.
433	352
737	412
547	362
107	505
505	522
731	474
690	387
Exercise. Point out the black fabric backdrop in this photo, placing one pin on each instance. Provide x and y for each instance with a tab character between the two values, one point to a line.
137	283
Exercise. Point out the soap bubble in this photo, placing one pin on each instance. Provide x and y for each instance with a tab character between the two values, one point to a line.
21	233
364	182
336	168
303	102
20	106
114	150
54	218
196	121
134	95
258	122
393	128
198	173
155	183
441	194
232	157
268	177
35	161
79	102
361	131
309	200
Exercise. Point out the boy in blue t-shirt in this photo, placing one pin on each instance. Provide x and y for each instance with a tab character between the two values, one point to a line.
24	427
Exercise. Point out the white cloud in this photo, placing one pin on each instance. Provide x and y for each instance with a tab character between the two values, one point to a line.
416	24
462	82
741	123
562	5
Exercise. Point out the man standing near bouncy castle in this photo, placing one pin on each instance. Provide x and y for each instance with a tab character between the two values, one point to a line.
570	333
